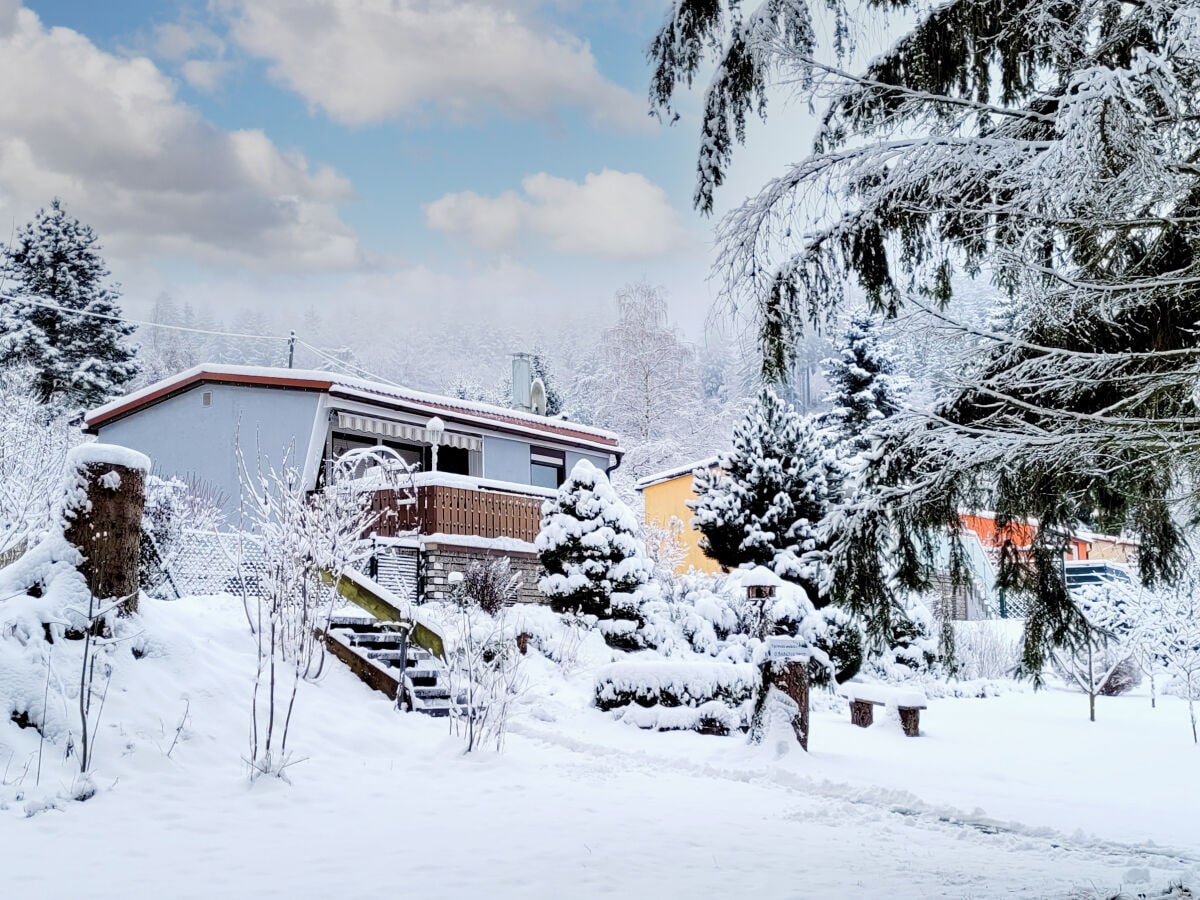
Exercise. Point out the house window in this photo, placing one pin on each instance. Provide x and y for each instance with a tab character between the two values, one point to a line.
410	453
547	468
343	443
206	398
451	460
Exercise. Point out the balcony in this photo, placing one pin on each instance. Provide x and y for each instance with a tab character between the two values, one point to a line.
455	504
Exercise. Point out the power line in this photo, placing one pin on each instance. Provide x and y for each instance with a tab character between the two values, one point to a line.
351	368
141	323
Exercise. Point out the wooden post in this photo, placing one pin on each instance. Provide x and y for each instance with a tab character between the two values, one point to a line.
104	519
862	713
792	679
910	721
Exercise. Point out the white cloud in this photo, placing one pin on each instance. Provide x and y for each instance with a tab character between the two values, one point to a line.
109	136
611	214
198	51
205	74
366	61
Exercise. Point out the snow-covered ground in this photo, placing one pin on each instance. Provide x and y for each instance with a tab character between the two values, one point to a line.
1015	795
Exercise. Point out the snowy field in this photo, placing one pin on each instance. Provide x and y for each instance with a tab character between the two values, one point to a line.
1011	796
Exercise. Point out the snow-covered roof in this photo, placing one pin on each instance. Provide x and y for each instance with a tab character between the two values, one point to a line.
759	576
668	474
349	387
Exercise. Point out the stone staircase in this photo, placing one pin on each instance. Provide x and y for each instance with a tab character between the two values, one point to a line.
381	654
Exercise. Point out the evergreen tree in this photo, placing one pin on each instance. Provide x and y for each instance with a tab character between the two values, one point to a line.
863	389
762	504
589	546
1051	147
53	272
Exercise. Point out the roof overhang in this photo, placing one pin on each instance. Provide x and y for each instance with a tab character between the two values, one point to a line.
379	395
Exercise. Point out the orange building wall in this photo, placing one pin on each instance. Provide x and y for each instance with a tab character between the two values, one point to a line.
1021	534
669	498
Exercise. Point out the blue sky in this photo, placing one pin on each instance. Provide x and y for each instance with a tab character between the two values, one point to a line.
473	157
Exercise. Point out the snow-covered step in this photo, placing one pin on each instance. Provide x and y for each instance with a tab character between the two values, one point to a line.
431	692
388	655
373	637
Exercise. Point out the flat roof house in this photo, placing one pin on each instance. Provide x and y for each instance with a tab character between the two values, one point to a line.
495	466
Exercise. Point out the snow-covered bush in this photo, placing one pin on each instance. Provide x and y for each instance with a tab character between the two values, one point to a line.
718	690
983	651
304	537
1105	652
34	439
173	506
839	638
691	613
912	651
485	670
491	584
589	545
60	644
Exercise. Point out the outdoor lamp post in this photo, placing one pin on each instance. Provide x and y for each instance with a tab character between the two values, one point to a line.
436	428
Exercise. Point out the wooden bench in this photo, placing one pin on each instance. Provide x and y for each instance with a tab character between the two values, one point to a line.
863	697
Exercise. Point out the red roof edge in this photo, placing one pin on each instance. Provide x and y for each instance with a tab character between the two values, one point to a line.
169	390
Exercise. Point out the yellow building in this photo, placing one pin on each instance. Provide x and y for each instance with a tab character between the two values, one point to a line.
665	497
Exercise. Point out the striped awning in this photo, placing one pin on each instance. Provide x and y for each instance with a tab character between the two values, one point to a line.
405	431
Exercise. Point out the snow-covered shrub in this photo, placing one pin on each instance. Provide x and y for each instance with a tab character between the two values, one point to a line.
912	651
304	537
491	584
665	547
984	651
60	644
34	439
1109	611
173	506
1124	678
589	545
485	670
839	638
719	693
691	613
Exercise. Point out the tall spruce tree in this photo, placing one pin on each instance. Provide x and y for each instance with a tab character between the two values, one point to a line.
863	388
763	503
590	547
58	316
1051	147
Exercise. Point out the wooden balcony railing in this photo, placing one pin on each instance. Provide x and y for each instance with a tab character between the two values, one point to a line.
443	509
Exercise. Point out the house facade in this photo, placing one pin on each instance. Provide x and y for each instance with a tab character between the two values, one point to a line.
665	497
481	471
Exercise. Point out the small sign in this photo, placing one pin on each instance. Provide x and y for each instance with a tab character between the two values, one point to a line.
786	648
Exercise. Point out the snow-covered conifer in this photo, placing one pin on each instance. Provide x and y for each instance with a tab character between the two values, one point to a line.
589	545
763	502
58	316
863	388
988	141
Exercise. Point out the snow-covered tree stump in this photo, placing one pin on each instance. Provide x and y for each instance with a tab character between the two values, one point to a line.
103	518
792	679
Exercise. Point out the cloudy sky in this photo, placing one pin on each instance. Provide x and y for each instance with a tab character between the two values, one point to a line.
470	156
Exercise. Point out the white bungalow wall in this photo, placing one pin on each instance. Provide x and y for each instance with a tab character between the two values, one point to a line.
187	439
